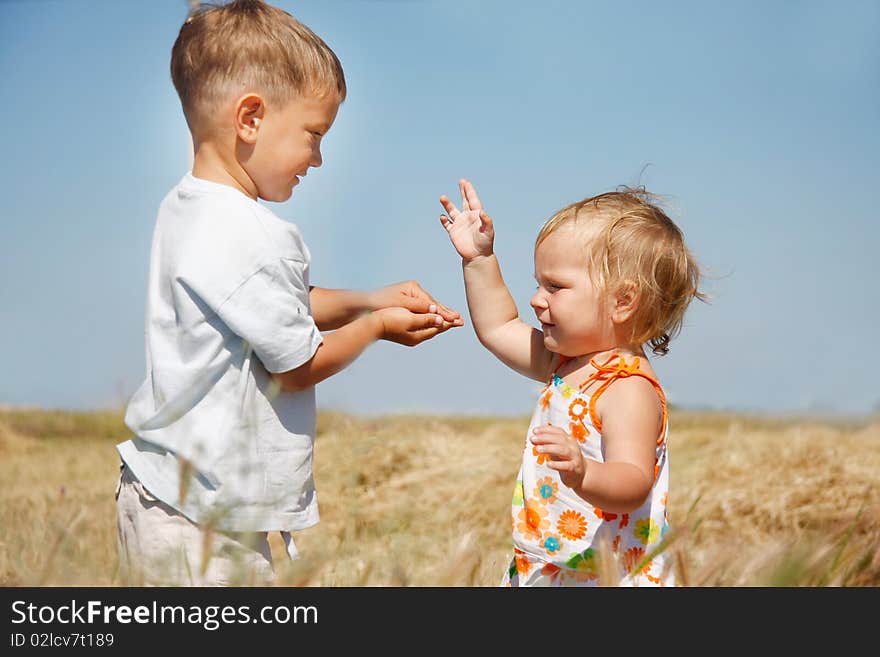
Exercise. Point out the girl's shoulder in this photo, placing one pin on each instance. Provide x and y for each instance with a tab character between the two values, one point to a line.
628	390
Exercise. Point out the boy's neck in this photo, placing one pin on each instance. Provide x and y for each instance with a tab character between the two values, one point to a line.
209	163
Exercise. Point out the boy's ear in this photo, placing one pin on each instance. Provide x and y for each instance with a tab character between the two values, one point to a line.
249	112
625	302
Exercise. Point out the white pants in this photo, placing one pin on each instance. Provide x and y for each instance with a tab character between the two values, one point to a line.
159	546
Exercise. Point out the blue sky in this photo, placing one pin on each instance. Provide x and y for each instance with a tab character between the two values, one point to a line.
760	121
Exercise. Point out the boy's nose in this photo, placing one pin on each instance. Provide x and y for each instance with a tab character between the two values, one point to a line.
316	160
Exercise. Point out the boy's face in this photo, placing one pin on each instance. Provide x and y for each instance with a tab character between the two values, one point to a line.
287	144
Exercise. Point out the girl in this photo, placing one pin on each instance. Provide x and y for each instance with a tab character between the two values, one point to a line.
614	275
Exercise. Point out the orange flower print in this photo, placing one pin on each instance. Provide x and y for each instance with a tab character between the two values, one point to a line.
545	398
546	490
550	569
632	558
665	499
604	515
578	431
541	457
523	565
624	520
615	546
577	409
572	525
533	520
647	531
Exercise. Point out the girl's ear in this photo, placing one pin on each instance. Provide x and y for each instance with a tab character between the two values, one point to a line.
626	302
249	111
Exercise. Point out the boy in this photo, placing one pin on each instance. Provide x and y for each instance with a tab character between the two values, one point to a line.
224	423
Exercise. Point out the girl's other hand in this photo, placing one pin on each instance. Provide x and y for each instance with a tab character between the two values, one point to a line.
564	452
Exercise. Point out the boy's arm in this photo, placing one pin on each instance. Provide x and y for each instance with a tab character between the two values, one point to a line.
332	308
341	347
493	311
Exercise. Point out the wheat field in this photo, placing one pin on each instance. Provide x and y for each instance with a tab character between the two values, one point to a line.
424	500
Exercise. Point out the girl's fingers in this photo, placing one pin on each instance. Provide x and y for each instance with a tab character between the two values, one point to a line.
548	434
555	451
471	194
449	206
561	466
485	220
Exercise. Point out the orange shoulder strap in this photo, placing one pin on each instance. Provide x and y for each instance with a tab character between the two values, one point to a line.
608	372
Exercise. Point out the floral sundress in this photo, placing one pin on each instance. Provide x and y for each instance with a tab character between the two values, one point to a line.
560	539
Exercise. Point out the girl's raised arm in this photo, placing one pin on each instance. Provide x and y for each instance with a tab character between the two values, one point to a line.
492	309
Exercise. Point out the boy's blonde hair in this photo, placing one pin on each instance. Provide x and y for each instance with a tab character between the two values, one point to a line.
248	45
630	242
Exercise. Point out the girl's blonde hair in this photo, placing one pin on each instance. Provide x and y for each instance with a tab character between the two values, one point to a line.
632	245
249	45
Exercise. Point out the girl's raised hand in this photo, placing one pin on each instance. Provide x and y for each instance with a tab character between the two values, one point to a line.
470	228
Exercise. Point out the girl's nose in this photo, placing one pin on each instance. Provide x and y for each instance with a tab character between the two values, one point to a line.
538	302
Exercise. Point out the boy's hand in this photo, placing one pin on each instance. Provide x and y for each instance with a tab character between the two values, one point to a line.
411	296
564	452
407	328
470	228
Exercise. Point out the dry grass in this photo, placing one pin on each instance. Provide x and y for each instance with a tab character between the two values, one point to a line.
424	501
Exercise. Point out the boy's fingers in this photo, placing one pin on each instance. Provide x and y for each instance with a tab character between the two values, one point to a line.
429	320
424	302
419	304
424	334
465	206
449	314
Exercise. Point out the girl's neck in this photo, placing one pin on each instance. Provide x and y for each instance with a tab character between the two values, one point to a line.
627	352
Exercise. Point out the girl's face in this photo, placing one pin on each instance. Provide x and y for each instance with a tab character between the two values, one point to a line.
575	316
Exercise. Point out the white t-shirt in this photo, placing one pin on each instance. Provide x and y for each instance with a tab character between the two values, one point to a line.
227	302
